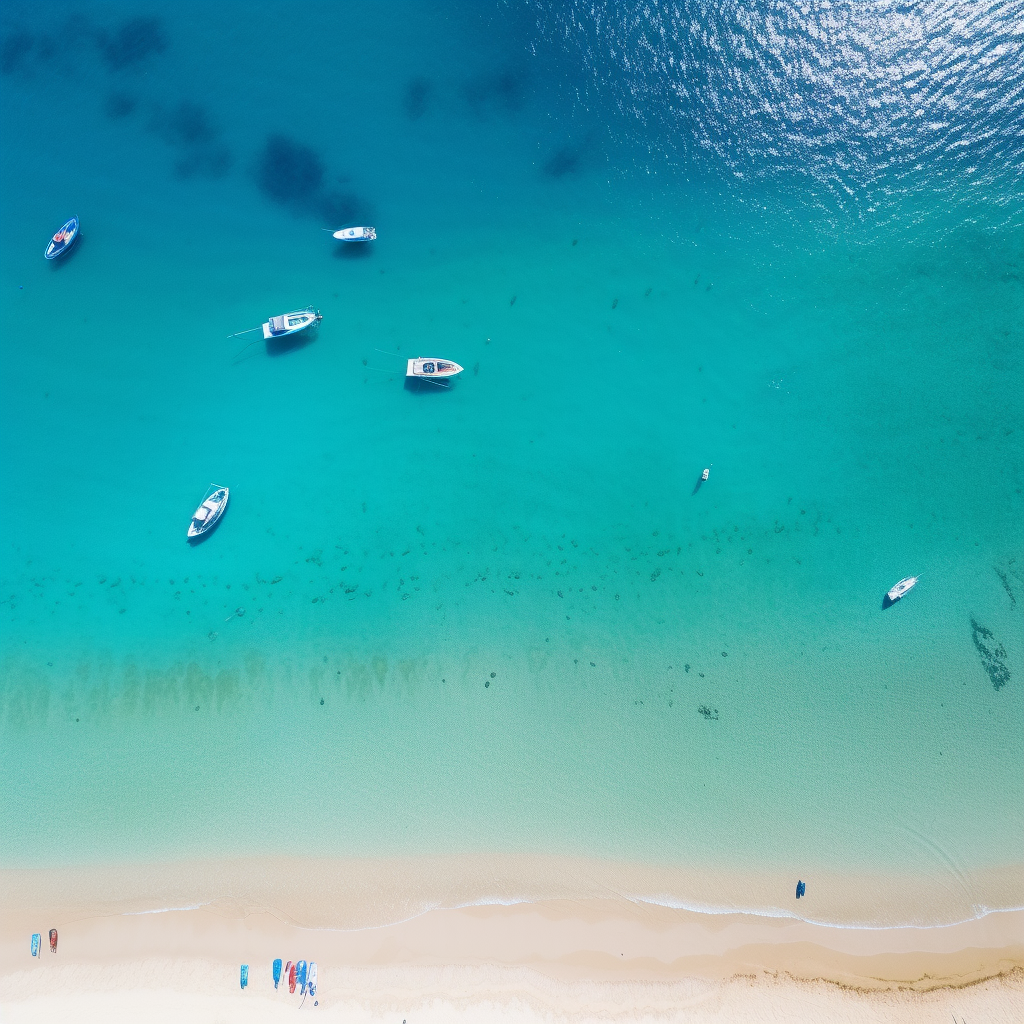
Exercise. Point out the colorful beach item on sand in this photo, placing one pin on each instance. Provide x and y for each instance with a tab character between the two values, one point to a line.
53	940
35	944
244	976
300	976
311	980
277	973
291	976
62	240
801	888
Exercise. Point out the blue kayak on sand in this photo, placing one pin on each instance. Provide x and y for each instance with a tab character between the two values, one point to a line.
245	975
277	973
62	240
801	888
300	975
35	944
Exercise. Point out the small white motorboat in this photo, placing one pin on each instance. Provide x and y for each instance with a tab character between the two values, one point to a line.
291	323
904	586
209	512
431	367
705	474
355	234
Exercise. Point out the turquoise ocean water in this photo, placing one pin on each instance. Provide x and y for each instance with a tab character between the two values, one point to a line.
782	243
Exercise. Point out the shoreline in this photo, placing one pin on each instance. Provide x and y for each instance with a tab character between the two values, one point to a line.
576	960
355	893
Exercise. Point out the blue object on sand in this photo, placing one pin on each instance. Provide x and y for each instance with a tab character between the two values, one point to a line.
245	975
35	944
312	978
277	973
800	889
300	975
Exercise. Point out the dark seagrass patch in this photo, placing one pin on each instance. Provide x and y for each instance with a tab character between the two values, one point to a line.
992	654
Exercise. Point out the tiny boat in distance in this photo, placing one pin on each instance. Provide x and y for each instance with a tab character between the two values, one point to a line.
291	323
209	512
355	234
705	474
423	366
906	584
62	240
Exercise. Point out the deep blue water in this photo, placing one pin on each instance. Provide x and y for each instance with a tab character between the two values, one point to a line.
780	241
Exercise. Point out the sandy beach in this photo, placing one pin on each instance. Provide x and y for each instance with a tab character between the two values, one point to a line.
535	694
557	959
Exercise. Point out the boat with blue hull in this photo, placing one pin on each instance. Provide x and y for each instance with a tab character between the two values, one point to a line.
63	239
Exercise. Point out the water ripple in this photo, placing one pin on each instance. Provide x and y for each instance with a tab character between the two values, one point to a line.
857	101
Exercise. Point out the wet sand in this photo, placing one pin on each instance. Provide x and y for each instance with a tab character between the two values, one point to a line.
558	959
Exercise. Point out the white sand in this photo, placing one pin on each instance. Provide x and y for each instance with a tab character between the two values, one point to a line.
559	959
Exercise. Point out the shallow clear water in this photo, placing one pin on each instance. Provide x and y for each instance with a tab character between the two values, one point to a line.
503	617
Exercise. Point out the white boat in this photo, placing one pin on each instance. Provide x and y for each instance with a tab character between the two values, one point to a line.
904	586
209	512
355	234
431	366
705	474
291	323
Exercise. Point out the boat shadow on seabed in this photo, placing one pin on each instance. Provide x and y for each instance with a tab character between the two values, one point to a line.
424	385
289	343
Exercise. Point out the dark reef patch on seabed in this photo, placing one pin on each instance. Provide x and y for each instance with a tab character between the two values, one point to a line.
416	98
288	172
119	105
292	174
992	653
188	128
133	43
501	92
15	51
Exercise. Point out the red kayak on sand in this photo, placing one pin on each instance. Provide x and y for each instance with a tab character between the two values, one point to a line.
291	978
53	940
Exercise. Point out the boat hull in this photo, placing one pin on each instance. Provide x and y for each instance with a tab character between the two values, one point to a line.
901	589
282	329
431	369
355	234
201	528
269	335
63	240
